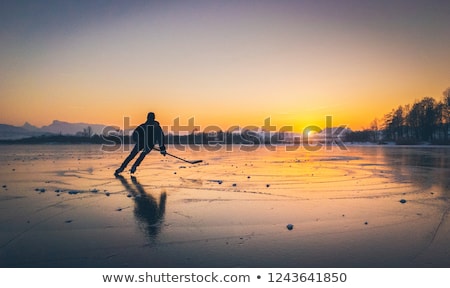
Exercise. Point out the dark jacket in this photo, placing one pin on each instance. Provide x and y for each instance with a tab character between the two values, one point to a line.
148	134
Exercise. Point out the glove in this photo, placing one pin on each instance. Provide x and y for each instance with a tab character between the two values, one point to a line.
162	150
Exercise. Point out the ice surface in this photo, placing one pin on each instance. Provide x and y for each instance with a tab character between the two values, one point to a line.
231	210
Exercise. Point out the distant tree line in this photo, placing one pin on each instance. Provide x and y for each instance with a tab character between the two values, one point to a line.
426	120
245	137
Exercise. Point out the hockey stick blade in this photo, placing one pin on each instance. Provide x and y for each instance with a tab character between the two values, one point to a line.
187	161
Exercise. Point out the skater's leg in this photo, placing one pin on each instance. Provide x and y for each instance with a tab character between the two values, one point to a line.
139	160
127	160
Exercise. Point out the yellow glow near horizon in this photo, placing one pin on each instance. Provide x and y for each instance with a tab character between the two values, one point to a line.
225	65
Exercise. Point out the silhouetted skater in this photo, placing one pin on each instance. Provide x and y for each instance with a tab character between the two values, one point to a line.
145	136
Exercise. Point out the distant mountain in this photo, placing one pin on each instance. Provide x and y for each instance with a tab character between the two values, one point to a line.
30	127
12	132
66	128
56	127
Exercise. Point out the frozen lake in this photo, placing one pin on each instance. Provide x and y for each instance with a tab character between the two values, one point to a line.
368	206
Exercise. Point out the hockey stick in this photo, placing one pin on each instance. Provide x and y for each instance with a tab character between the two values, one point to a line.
190	162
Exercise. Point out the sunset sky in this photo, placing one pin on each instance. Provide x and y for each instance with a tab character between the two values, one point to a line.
223	62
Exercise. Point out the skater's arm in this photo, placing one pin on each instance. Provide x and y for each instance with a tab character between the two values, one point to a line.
161	140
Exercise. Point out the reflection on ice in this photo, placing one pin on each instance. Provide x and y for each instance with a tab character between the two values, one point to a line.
148	211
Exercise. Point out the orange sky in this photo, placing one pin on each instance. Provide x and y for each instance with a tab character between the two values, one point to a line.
224	63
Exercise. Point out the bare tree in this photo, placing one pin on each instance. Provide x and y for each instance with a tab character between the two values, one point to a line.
374	129
446	112
87	132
